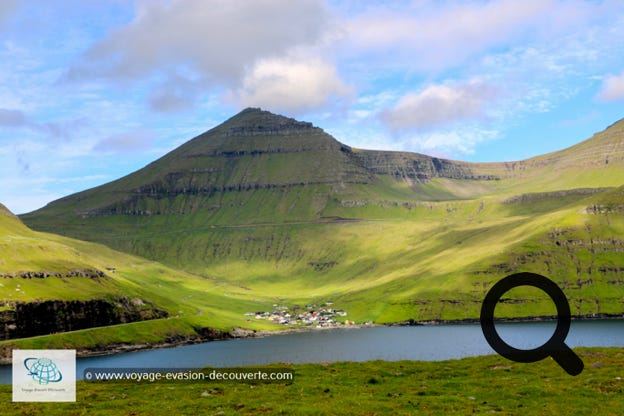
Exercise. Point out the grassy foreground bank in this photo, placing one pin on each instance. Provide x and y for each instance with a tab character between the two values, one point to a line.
456	387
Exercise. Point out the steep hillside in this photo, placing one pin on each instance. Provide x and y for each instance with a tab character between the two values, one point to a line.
281	210
51	285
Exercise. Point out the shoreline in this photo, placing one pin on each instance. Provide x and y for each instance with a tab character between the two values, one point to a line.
242	333
539	318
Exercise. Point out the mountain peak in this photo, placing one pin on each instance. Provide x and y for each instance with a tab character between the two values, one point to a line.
251	110
256	131
257	122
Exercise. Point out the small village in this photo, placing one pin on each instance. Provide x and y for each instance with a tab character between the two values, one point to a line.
311	315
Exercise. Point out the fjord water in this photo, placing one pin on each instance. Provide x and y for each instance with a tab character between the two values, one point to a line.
424	343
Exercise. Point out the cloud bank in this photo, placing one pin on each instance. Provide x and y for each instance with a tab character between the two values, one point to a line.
434	35
243	47
291	84
440	105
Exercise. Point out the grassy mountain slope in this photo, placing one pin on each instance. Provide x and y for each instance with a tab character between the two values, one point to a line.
38	267
262	202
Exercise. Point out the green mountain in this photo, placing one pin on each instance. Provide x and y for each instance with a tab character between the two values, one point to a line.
279	209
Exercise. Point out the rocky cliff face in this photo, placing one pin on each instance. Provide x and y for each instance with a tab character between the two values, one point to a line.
263	123
28	319
417	167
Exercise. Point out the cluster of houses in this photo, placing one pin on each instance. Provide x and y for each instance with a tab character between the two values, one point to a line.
311	315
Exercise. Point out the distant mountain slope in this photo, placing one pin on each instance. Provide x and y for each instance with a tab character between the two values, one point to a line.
278	209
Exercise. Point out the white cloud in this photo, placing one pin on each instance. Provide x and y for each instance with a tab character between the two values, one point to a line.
222	37
440	105
612	88
290	84
452	141
218	44
434	36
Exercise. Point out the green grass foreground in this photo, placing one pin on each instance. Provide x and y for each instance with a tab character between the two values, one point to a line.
490	385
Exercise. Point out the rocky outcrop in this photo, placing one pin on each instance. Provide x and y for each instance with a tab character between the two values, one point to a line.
605	209
540	196
27	319
255	122
289	127
90	273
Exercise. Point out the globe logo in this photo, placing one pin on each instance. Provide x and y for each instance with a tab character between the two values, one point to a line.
43	370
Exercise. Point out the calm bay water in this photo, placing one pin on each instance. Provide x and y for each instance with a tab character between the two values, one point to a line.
425	343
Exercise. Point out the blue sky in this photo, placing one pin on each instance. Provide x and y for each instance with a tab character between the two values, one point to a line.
93	90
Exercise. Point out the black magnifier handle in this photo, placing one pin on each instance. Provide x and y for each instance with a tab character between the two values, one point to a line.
568	360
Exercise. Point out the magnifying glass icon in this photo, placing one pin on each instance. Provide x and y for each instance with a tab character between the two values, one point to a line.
555	347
